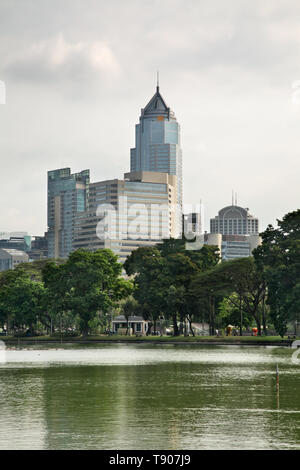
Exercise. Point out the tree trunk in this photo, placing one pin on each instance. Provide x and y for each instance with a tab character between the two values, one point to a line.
190	323
149	329
241	317
85	331
258	324
175	326
264	316
209	312
213	316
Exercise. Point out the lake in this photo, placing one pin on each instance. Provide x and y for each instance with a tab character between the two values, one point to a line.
146	396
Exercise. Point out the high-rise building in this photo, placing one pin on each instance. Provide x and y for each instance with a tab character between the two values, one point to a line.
67	196
146	205
157	145
140	208
234	220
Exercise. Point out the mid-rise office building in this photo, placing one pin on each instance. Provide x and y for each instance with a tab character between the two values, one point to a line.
22	243
35	246
233	246
234	220
235	231
126	214
67	196
39	247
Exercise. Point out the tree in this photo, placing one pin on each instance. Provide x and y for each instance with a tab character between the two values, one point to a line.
279	258
146	264
88	282
231	311
129	308
162	278
240	276
20	300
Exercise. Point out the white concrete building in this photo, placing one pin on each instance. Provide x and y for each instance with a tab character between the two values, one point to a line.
10	258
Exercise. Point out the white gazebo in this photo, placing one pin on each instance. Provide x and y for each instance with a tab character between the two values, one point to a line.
136	325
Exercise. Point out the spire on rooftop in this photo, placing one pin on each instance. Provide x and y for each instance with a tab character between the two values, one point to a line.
157	105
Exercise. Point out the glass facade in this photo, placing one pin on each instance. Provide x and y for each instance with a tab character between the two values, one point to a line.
157	144
142	216
67	195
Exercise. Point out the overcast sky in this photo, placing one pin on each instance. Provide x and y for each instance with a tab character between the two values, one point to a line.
78	72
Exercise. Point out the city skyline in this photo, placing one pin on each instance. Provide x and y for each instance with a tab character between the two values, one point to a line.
73	97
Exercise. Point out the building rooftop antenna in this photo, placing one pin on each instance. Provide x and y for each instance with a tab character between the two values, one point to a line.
157	81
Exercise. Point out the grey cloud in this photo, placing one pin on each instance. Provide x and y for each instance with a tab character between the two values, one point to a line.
57	60
226	69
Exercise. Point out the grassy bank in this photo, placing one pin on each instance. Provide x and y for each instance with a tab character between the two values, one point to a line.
247	340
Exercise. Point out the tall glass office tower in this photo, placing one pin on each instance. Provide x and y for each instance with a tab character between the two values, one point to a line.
67	196
157	143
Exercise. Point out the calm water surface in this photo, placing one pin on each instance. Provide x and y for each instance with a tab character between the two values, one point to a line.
149	397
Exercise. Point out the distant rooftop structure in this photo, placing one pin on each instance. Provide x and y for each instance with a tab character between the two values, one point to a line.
7	235
234	220
132	318
12	251
10	258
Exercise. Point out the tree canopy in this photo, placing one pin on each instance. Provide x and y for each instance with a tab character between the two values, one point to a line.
279	258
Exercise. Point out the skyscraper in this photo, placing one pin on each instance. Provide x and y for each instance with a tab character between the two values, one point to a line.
151	193
157	145
67	195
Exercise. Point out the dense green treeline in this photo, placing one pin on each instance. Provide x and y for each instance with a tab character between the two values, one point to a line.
166	283
54	295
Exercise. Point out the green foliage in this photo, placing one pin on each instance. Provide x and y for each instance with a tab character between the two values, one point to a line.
86	283
169	281
129	307
229	312
20	300
240	276
279	257
162	278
